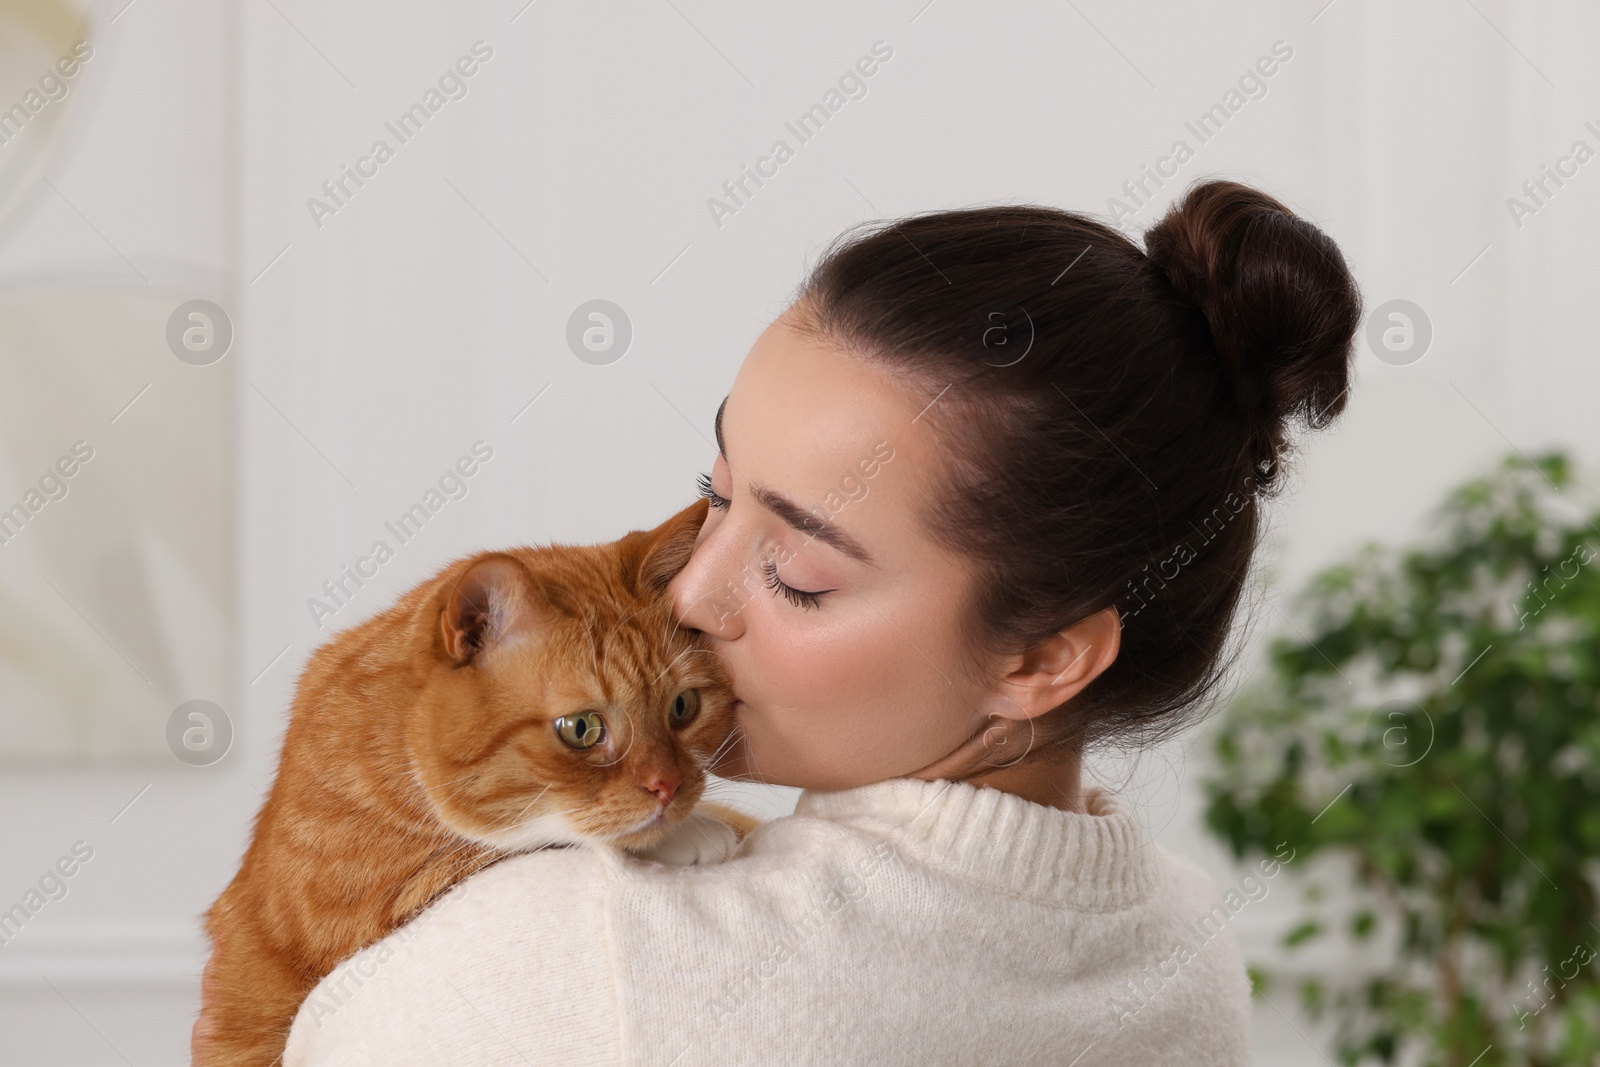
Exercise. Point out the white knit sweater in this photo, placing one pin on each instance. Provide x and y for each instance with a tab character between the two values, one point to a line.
903	922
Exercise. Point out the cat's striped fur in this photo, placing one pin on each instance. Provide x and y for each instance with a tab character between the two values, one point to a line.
421	748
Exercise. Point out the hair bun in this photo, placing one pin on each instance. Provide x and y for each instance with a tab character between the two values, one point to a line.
1282	305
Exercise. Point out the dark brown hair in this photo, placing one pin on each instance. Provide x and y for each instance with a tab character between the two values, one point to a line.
1109	416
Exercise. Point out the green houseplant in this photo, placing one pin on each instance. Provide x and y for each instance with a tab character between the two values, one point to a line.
1433	723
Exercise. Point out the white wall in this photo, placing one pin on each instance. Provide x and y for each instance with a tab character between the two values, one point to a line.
428	311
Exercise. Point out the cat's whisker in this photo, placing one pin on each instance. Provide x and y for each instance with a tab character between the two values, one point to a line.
463	778
754	773
623	621
506	822
469	776
721	749
704	764
560	813
674	662
594	649
464	848
531	803
464	781
672	632
674	625
464	855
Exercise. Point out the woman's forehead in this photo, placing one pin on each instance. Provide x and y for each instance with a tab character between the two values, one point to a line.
817	391
824	427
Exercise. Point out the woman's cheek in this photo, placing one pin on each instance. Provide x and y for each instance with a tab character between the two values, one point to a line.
838	670
793	658
789	663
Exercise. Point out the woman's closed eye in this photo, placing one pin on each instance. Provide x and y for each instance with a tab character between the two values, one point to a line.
717	499
800	598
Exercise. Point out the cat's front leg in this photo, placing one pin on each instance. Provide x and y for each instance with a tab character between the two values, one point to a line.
742	822
699	838
432	881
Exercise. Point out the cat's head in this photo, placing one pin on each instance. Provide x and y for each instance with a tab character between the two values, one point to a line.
562	701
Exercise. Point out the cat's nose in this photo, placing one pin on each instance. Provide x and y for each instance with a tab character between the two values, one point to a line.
663	784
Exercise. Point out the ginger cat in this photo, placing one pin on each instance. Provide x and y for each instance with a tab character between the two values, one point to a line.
516	699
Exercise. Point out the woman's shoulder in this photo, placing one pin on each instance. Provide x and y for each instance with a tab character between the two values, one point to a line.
1184	986
420	995
556	920
572	951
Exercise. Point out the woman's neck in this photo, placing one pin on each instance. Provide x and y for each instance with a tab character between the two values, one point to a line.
1057	784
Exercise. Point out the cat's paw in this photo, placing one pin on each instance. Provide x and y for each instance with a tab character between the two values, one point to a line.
697	839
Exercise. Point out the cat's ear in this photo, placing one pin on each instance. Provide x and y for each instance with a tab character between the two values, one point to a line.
660	554
492	599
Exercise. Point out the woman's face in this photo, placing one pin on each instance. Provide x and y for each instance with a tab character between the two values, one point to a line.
852	678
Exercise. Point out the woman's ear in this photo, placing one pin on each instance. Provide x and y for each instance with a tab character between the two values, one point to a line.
1058	668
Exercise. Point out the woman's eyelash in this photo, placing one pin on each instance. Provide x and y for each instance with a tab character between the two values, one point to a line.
798	597
716	498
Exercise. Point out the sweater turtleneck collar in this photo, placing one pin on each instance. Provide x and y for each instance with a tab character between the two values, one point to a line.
1101	861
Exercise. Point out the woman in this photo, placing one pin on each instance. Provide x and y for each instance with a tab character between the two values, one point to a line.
985	495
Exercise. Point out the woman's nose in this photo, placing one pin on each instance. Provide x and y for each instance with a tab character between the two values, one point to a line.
702	595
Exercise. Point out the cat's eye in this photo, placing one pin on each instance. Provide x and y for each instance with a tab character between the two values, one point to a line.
581	731
685	706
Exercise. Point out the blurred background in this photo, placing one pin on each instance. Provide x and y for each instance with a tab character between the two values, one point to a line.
238	337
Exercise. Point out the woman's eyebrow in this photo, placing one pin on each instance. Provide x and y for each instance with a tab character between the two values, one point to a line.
793	515
797	518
